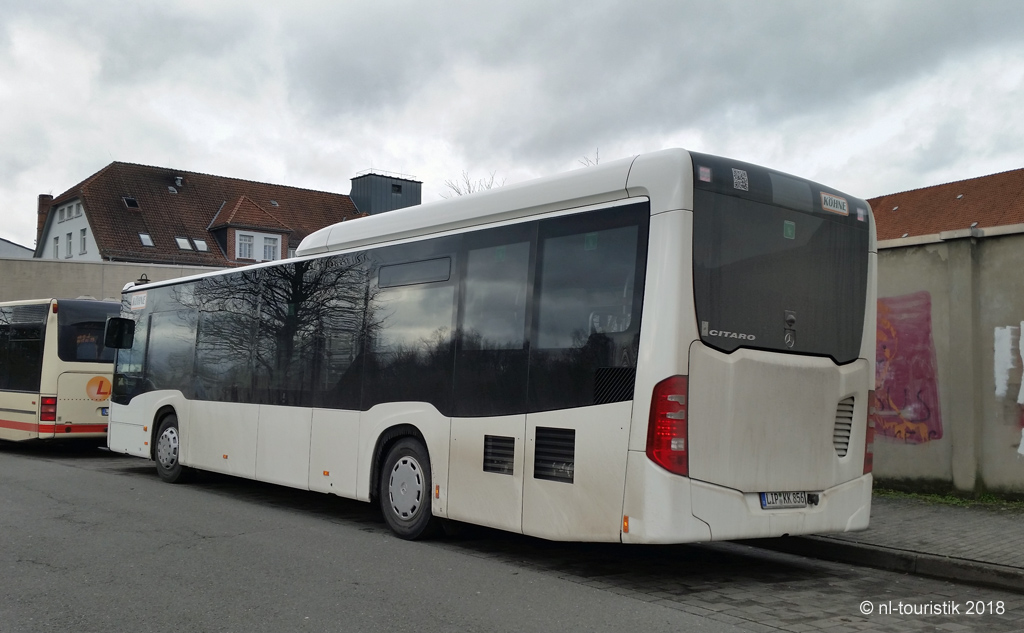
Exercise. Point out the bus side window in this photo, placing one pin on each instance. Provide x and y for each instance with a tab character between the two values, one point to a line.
583	348
490	362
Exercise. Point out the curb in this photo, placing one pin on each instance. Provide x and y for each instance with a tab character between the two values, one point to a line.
898	560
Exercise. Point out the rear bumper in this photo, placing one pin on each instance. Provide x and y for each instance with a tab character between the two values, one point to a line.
667	508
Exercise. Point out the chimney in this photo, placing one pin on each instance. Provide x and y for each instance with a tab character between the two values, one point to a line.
45	200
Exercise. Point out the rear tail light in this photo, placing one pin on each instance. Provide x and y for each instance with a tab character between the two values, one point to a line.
869	449
666	429
48	409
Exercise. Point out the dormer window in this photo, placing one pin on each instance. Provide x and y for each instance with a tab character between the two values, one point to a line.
130	202
183	243
171	189
146	239
274	203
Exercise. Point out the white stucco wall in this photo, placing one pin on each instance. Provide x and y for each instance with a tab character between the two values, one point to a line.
73	223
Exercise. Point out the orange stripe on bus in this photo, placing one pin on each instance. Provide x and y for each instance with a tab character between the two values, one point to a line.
19	426
72	428
53	428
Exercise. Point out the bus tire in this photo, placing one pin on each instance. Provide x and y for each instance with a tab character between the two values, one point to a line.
405	489
167	451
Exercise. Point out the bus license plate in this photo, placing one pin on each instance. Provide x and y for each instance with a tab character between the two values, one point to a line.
773	500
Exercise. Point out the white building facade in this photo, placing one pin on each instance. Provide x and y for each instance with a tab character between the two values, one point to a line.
69	235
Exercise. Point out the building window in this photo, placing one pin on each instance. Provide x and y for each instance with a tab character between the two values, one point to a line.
171	189
130	202
396	189
183	243
69	246
82	247
60	215
146	239
245	247
56	248
271	250
78	210
291	252
201	245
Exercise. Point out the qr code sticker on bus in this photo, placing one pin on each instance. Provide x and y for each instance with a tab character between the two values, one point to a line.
739	180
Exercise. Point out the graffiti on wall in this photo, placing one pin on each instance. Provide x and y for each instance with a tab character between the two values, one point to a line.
906	403
1009	360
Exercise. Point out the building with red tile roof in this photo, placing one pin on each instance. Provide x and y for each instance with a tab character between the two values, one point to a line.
139	213
985	202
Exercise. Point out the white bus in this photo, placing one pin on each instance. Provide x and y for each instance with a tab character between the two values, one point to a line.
55	373
670	348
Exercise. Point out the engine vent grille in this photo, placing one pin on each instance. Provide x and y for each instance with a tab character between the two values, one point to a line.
499	454
844	424
555	456
614	384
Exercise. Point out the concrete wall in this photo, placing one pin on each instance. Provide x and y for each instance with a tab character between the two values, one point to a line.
949	357
42	279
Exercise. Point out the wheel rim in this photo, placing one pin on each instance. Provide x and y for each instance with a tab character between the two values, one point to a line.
405	487
167	448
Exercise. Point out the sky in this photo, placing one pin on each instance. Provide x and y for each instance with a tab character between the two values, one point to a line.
870	97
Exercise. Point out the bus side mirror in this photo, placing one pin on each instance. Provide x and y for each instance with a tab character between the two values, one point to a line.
119	334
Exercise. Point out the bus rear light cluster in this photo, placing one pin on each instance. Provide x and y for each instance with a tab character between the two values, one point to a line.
667	428
869	450
48	409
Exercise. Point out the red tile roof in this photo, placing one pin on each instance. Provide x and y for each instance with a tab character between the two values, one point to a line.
166	211
245	213
996	200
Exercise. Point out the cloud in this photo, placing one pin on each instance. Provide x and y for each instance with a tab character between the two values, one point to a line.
871	96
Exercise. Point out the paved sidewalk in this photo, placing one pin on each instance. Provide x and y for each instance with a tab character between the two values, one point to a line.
976	544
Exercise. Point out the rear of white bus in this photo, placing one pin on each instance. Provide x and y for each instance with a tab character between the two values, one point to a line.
759	362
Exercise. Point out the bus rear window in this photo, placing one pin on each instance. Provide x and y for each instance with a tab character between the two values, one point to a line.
80	327
770	277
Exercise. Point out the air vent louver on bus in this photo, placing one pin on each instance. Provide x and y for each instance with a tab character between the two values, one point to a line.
554	458
499	454
844	424
614	384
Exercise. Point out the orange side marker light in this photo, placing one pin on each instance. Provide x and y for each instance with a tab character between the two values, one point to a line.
437	491
625	524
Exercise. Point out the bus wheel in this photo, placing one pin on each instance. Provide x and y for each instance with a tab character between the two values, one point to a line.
405	490
167	451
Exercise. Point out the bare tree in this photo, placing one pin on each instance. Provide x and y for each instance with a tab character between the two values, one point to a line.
587	161
467	185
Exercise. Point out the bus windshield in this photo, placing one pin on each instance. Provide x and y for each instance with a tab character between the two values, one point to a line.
80	326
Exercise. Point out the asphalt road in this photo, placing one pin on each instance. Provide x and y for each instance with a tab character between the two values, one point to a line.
91	541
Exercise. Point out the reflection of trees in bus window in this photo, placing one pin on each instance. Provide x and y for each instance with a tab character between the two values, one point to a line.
490	363
413	317
172	340
410	339
494	313
128	380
